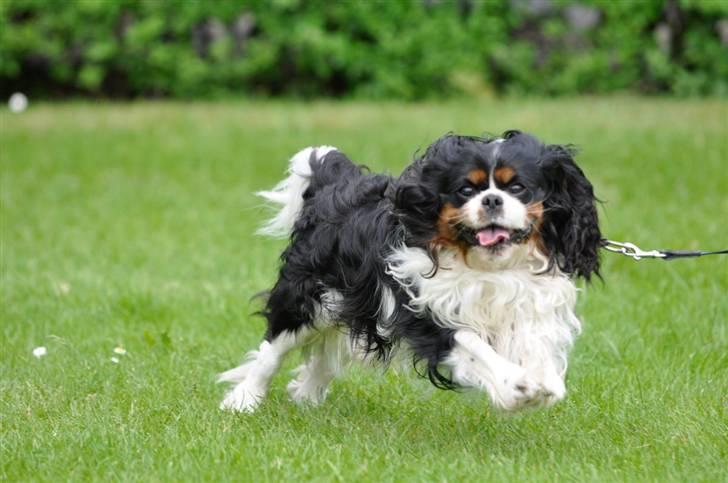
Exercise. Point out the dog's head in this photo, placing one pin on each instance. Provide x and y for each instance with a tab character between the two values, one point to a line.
495	196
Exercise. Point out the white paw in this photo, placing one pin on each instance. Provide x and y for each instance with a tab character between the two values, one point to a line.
520	390
243	398
306	392
553	388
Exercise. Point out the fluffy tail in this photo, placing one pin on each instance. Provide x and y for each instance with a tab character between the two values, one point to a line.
289	192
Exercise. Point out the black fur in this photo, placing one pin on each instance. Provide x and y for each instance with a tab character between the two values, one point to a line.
352	219
571	225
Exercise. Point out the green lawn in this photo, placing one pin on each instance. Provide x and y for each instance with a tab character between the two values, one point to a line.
132	225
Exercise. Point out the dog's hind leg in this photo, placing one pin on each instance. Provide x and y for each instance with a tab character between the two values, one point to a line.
290	311
252	378
325	357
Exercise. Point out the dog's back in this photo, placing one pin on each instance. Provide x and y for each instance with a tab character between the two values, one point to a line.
335	251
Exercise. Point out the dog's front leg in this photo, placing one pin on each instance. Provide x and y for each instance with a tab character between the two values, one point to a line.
474	363
543	364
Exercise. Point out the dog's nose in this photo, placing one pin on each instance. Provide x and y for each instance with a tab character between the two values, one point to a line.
492	202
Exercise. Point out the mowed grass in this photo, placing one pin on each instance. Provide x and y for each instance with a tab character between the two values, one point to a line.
132	226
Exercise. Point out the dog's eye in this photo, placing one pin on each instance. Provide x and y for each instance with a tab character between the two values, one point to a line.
466	191
516	188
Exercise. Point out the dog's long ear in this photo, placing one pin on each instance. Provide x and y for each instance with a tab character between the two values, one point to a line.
571	226
416	203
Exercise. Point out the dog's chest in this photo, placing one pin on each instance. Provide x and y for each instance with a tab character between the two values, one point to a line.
495	304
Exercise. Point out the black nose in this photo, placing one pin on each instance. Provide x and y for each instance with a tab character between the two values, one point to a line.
492	202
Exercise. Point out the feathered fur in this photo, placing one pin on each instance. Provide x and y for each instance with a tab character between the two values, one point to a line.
467	260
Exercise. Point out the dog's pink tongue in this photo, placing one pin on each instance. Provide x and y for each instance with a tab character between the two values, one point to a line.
492	235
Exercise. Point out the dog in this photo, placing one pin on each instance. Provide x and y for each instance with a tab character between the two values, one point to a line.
468	259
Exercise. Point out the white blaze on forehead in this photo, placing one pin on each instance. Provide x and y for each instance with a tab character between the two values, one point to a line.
497	148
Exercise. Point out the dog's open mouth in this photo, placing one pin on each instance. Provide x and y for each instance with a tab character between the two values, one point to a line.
492	236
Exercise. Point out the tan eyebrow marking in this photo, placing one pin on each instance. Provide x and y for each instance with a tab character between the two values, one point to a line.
504	175
477	176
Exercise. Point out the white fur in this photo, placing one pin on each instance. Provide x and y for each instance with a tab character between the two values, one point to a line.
289	192
329	353
474	363
252	378
497	147
513	215
326	350
325	358
387	306
527	318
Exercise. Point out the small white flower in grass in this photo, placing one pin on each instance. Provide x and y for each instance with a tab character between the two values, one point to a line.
18	102
120	350
63	288
115	360
40	352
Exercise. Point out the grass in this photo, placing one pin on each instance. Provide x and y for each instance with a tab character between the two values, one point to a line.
132	225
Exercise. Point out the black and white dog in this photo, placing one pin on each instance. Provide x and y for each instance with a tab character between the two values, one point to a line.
468	259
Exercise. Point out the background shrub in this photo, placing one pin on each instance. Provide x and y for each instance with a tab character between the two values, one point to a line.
408	49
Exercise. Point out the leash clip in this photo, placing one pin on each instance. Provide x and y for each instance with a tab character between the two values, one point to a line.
631	250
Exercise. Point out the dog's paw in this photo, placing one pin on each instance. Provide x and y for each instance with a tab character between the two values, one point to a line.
306	392
520	390
553	389
242	398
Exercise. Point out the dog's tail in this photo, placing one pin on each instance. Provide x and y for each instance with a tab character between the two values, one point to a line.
306	172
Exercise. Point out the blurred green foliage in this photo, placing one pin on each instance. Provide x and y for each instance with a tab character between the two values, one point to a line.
406	49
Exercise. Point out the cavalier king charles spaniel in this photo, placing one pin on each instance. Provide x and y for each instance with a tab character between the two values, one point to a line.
467	259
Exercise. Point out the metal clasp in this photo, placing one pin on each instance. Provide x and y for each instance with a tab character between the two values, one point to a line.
631	250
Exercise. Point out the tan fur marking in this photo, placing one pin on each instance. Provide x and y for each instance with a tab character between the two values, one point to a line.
446	234
477	176
534	212
504	174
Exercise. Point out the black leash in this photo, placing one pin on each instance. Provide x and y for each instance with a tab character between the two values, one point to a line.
635	252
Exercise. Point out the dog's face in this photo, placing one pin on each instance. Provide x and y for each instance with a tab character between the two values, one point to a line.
493	196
